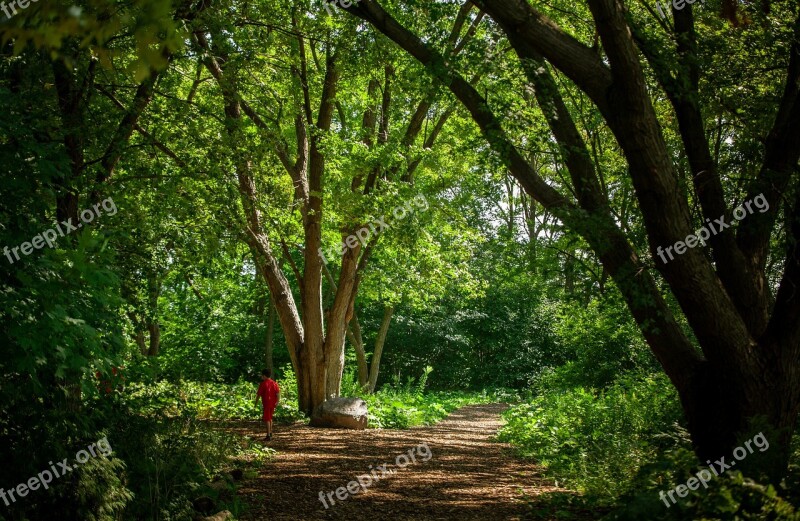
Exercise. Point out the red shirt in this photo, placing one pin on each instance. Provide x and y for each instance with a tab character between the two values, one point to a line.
268	391
113	382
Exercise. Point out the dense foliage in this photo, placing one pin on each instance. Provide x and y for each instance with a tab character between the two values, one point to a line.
220	144
596	440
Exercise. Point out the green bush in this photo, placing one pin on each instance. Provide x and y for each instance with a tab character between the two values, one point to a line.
596	441
729	497
99	493
92	491
732	496
212	400
172	454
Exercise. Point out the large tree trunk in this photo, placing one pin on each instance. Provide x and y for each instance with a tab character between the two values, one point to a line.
318	348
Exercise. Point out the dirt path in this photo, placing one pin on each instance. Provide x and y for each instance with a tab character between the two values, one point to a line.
466	475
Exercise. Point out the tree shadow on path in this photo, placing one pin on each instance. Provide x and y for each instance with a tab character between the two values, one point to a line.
467	476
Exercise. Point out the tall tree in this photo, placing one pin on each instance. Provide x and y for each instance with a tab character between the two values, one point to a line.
316	332
747	332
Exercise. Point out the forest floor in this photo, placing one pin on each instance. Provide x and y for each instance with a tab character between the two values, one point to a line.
467	475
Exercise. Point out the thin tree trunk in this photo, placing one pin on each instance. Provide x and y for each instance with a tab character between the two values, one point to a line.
569	274
375	366
155	337
334	362
337	325
270	334
138	332
153	291
354	334
140	341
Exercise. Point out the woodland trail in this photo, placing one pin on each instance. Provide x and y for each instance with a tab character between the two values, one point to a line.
468	475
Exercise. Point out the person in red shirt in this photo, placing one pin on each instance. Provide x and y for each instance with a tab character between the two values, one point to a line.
115	381
269	392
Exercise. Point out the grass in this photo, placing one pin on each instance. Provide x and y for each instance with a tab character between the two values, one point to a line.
394	406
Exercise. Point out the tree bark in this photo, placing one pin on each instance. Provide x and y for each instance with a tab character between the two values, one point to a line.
270	335
138	332
151	318
354	334
375	365
154	345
